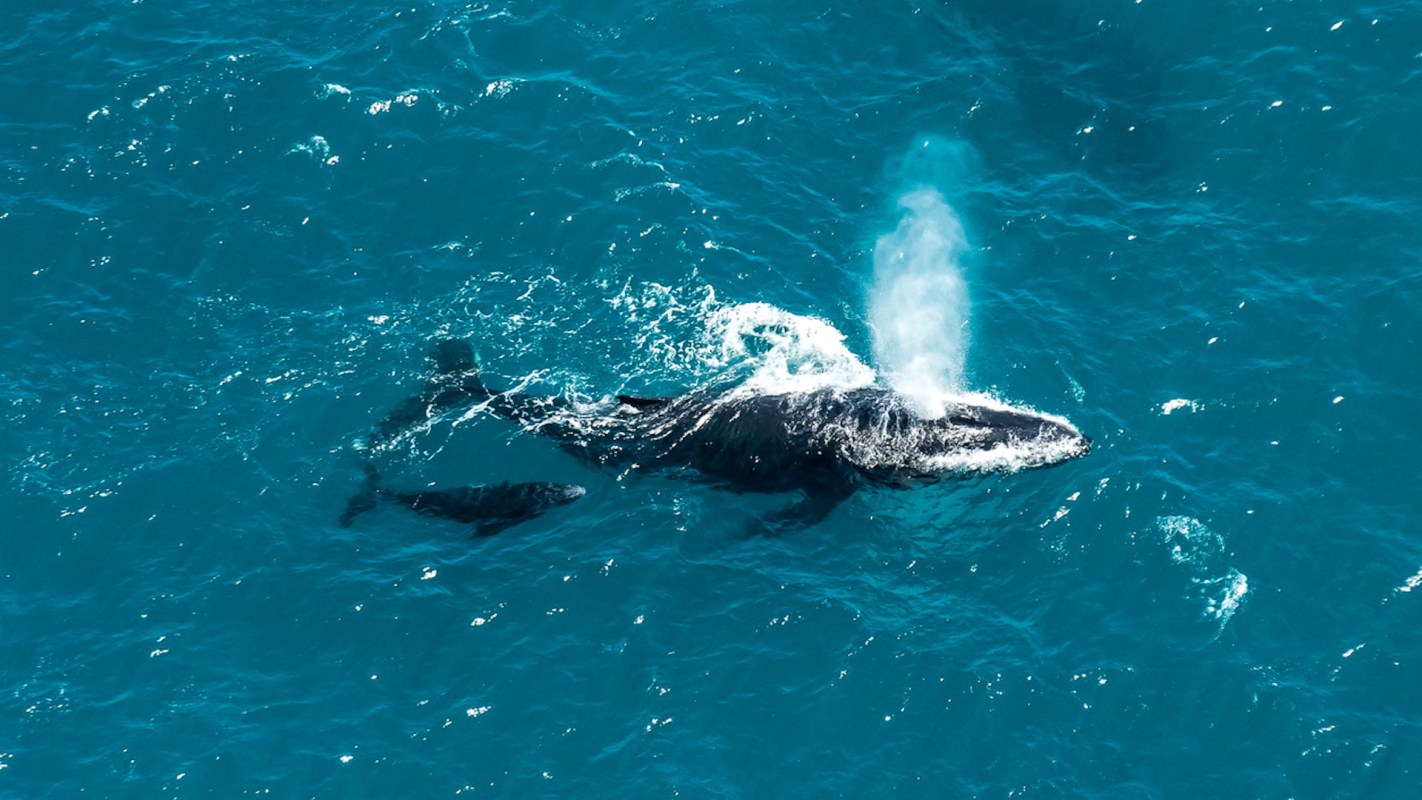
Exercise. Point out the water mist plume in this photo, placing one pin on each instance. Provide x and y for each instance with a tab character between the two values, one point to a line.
918	304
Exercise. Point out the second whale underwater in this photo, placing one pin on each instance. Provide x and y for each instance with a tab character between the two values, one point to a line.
824	444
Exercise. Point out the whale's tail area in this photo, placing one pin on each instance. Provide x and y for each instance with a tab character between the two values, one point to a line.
454	381
364	499
490	509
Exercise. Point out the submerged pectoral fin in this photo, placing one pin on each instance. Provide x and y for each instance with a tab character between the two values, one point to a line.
817	502
809	510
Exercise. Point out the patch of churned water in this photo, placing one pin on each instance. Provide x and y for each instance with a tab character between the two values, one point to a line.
1411	583
782	352
1195	546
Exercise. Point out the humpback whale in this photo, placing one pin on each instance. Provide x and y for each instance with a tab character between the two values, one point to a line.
824	444
490	509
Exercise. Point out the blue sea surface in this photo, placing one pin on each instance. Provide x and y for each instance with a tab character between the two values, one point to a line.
230	232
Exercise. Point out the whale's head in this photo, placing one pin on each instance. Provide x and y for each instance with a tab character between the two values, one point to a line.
894	440
531	498
996	436
555	494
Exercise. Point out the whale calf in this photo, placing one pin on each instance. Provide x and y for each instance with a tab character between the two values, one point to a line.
824	444
490	509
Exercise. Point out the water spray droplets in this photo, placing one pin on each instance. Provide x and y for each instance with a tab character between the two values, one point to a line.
918	304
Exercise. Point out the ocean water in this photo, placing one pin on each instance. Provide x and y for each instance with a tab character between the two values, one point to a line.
229	233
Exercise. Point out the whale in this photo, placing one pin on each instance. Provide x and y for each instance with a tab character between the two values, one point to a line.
490	509
824	444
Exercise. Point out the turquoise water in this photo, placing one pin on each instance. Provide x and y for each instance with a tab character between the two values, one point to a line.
230	233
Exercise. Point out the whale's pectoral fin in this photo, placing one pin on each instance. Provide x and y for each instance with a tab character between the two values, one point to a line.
642	403
818	501
801	514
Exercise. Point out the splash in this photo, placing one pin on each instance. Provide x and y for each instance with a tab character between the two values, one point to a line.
1203	551
918	304
780	352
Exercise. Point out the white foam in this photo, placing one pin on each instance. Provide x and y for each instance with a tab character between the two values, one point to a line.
1193	545
499	88
1236	585
1411	583
1171	406
918	304
783	353
1190	541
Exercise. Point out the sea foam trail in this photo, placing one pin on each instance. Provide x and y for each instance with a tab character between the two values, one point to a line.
918	303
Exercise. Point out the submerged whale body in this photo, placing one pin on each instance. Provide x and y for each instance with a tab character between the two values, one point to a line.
824	444
489	509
